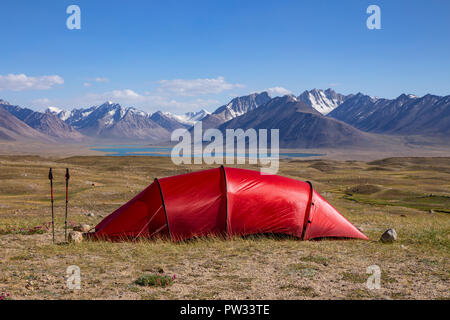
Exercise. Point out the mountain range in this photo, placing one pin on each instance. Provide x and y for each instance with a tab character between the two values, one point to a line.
314	119
115	122
44	123
300	125
11	128
405	115
235	108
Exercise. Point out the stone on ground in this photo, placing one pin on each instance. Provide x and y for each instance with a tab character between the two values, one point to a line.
82	228
389	236
75	237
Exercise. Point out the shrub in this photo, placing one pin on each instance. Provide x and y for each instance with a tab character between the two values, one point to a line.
155	280
5	296
26	230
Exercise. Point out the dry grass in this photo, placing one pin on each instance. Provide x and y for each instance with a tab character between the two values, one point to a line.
396	193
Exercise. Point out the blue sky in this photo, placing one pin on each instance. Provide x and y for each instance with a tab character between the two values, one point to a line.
182	56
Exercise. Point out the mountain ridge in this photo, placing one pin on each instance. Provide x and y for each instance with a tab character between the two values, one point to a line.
45	123
235	108
300	125
405	115
323	101
13	129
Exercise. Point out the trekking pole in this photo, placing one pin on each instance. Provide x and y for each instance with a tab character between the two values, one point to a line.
67	201
50	177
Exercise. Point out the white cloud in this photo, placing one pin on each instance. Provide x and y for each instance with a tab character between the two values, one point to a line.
278	91
194	87
42	102
101	79
126	94
177	96
21	82
147	101
188	91
98	80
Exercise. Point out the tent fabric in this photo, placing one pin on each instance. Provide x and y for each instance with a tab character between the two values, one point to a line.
226	202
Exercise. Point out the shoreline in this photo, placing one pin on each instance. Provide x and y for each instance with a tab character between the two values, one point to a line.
339	154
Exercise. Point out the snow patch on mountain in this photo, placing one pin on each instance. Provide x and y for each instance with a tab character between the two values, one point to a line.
189	118
60	113
323	101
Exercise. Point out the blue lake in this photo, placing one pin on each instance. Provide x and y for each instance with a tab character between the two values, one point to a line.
126	150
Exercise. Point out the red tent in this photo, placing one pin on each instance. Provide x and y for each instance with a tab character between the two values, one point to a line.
226	201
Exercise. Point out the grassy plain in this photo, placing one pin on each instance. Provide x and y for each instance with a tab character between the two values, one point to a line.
411	195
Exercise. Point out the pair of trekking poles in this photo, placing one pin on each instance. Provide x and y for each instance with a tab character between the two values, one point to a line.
67	177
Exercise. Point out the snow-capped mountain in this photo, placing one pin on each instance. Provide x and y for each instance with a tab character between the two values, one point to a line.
235	108
300	125
240	105
189	118
14	129
96	118
109	113
168	121
45	123
98	121
61	114
405	115
133	125
323	101
113	121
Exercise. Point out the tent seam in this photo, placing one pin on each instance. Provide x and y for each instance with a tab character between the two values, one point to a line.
164	206
226	199
308	212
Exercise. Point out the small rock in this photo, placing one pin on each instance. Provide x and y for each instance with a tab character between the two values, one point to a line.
82	228
431	211
389	236
75	237
90	214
